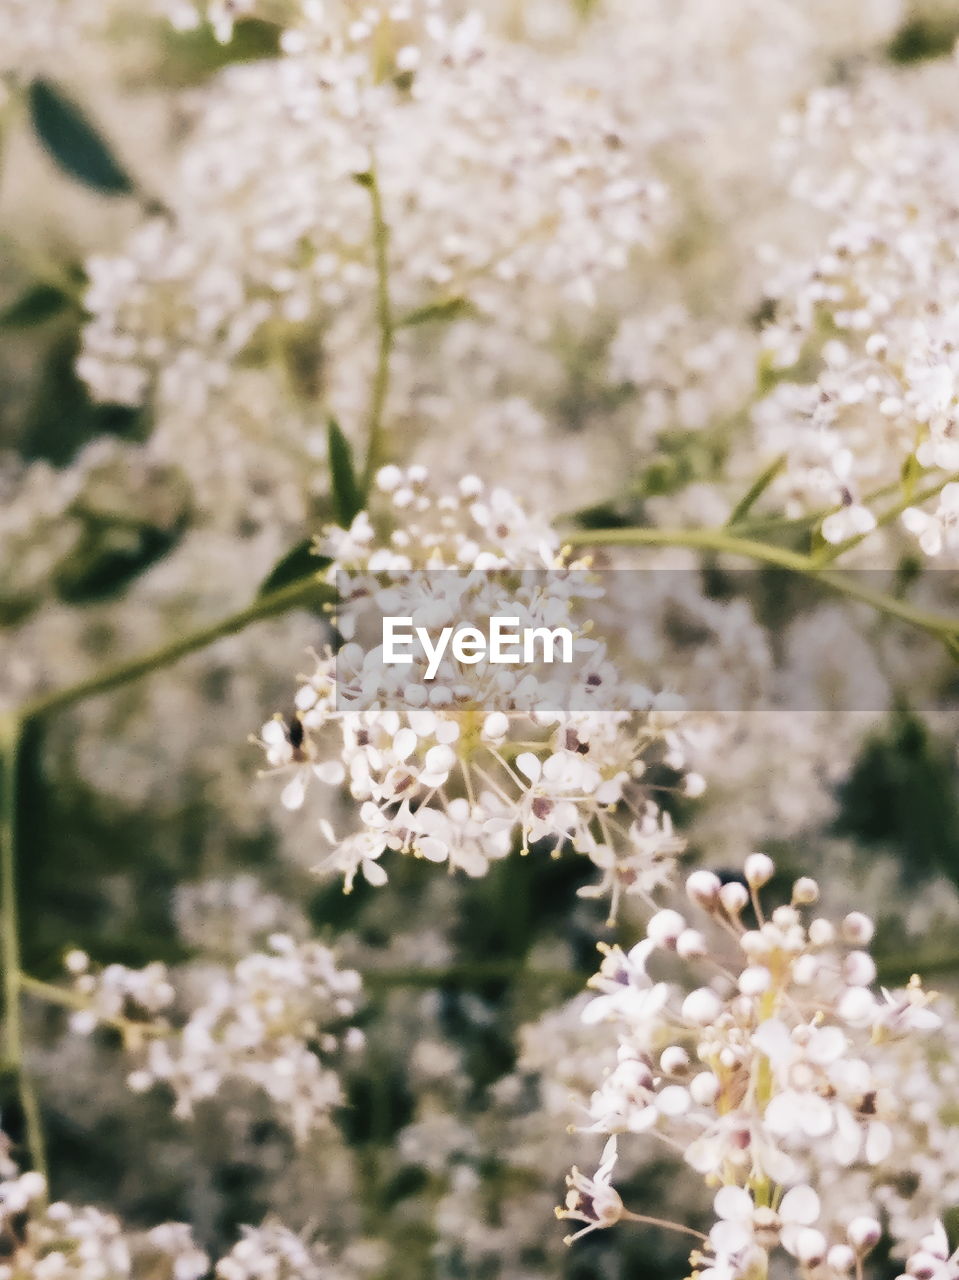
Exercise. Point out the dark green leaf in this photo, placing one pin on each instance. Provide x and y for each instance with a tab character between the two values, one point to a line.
108	559
39	303
449	309
348	497
60	417
74	142
299	563
920	38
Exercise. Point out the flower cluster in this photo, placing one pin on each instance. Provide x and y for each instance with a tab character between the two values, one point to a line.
872	312
497	171
437	773
277	1022
273	1252
60	1241
768	1076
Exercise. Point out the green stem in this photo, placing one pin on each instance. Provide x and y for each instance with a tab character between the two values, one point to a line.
305	591
725	542
386	327
10	730
66	999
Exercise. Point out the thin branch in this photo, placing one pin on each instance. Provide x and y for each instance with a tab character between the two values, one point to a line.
386	327
304	592
10	731
725	542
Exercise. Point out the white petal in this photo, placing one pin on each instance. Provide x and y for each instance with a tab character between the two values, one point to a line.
800	1205
529	766
373	872
878	1142
294	793
735	1204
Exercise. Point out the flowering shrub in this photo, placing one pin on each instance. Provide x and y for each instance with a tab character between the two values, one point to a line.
635	322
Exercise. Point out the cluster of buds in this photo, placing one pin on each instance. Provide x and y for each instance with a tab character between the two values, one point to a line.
765	1074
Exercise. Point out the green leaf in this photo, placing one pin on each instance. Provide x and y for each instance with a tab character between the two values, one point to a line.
448	309
755	491
298	563
921	38
108	559
37	304
74	142
348	499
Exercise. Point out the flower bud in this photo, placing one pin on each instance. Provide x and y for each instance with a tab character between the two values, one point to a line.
665	927
734	897
704	1089
810	1247
691	945
923	1266
701	1006
822	933
674	1060
754	980
703	887
858	929
857	1006
755	944
863	1234
840	1258
805	892
859	969
804	969
759	869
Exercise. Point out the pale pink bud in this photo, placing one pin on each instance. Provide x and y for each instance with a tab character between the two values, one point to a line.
702	1006
822	933
754	980
859	969
665	927
858	929
691	944
841	1258
759	869
734	897
674	1060
810	1247
703	887
863	1234
805	891
704	1089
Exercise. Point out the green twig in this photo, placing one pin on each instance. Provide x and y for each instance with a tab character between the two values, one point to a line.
64	998
307	591
10	730
725	542
386	327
